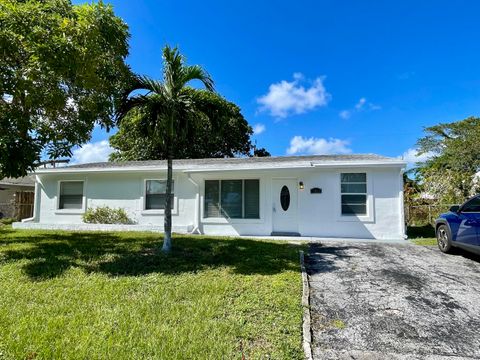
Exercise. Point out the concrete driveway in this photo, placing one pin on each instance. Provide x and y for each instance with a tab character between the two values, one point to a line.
393	301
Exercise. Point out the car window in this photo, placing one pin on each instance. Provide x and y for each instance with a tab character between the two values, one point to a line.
472	206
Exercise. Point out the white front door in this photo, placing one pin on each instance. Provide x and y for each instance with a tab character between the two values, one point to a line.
284	215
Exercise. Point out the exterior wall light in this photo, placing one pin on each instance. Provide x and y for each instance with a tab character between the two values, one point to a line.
301	186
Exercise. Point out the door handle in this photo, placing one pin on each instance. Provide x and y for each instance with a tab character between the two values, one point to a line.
274	209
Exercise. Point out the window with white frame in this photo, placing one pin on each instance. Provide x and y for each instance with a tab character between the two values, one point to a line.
232	199
155	194
354	193
70	195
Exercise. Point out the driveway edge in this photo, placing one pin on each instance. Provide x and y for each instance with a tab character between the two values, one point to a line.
307	330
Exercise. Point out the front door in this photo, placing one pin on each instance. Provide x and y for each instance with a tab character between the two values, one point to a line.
284	215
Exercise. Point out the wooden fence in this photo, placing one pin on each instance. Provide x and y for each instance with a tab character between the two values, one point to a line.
417	215
21	206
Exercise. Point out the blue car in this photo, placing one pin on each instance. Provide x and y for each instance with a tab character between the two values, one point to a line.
460	227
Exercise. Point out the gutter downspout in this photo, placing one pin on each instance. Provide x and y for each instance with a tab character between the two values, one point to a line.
403	225
36	199
196	220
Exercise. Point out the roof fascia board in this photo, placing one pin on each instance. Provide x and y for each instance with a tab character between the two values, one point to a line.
19	185
97	170
313	166
206	169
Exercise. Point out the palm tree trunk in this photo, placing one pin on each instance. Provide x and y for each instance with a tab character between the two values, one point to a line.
167	239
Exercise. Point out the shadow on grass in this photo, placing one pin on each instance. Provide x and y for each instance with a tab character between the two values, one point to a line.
5	229
50	254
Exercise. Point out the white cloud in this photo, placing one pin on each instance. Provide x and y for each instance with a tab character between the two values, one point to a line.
290	97
405	75
298	76
92	152
303	145
258	129
345	114
361	105
411	157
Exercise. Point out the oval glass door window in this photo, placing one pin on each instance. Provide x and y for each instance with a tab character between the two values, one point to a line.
285	198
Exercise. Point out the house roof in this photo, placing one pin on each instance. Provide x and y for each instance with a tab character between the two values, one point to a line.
243	163
26	181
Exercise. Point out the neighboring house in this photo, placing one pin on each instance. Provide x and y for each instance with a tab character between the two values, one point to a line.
16	197
358	196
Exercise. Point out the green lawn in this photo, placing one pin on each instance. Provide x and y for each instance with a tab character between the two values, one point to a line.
425	241
98	295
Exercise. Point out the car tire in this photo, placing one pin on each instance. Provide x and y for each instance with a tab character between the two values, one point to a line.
444	239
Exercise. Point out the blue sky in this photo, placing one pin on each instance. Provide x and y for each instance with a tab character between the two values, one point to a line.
320	76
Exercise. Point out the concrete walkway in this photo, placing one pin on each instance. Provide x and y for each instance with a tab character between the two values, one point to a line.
393	301
315	239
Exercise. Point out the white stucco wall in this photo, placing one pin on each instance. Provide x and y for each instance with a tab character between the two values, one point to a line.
118	191
317	214
320	214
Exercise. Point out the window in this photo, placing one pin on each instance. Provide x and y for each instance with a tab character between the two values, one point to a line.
472	206
285	198
155	194
233	199
71	195
354	193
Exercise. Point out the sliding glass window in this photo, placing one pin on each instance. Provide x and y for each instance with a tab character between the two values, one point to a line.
232	199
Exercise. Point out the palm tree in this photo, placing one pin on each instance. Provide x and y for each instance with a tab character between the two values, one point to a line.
166	107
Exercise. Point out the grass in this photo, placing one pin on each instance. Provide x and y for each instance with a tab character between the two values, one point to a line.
98	295
425	241
422	235
338	324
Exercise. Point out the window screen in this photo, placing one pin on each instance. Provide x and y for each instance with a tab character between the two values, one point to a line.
155	194
252	199
354	193
212	198
71	195
233	199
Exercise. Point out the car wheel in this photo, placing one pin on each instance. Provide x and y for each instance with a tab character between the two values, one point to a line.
444	240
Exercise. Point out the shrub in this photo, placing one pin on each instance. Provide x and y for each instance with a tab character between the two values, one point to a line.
106	215
7	221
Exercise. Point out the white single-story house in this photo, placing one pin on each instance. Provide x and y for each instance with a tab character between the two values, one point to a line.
355	196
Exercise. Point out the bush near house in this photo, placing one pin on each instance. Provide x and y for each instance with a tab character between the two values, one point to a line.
7	221
91	295
106	215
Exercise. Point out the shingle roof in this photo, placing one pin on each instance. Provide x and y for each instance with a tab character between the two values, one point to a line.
233	163
22	181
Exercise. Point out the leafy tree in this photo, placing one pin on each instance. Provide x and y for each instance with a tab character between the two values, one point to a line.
166	110
450	173
62	70
216	129
262	152
411	188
